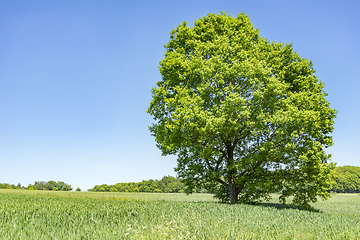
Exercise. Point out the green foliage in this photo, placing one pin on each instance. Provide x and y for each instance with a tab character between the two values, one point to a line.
40	185
47	215
167	184
347	180
242	113
113	189
50	185
78	190
10	186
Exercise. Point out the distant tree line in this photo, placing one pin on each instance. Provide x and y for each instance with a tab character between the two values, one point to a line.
167	184
40	185
12	186
347	180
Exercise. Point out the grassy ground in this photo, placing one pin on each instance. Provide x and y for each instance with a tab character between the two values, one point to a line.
122	196
85	215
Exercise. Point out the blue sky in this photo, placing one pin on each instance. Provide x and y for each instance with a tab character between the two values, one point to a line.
76	79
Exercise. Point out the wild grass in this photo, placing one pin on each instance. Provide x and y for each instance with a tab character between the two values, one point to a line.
122	196
83	215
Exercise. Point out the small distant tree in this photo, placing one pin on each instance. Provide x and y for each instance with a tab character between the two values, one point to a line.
78	190
50	185
40	185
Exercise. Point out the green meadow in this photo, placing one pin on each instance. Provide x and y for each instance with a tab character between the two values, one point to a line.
28	214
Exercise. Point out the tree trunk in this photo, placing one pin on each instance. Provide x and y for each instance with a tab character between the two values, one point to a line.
234	193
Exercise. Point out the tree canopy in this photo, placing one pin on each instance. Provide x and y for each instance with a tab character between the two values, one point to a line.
50	185
347	180
245	117
40	185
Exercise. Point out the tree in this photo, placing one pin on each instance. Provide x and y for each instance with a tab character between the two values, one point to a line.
246	117
50	185
40	185
78	190
347	179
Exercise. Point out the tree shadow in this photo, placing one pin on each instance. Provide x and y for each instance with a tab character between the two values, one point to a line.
280	206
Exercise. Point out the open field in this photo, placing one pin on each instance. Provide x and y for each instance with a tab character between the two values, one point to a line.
86	215
121	196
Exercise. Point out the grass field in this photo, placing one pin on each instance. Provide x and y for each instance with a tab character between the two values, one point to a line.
87	215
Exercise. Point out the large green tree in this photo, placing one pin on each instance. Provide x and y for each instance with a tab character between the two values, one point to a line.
246	117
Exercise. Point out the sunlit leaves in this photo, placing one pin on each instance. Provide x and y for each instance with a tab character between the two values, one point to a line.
242	112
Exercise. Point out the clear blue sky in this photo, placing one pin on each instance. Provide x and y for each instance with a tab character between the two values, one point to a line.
76	78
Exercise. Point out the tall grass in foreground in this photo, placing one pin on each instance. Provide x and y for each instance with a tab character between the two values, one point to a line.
25	215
